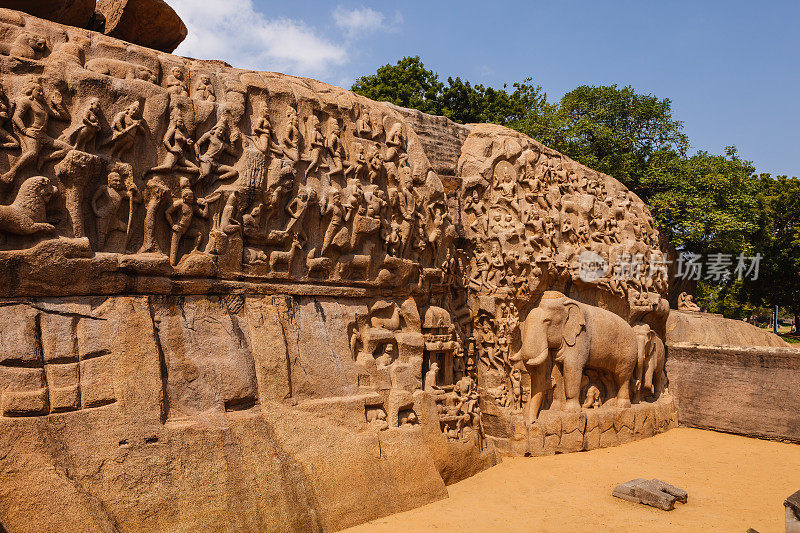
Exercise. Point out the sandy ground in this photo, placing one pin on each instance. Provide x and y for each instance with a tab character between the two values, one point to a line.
733	483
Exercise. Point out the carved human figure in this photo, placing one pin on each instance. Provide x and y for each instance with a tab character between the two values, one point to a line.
406	207
396	143
106	203
375	164
515	377
333	143
89	127
210	148
332	206
205	90
593	398
297	210
30	119
7	141
290	142
317	145
176	141
127	125
473	204
186	208
265	141
175	83
431	380
357	168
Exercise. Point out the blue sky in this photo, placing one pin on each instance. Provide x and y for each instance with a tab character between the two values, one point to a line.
731	68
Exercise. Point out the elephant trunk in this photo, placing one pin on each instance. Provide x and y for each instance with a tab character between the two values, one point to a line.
539	359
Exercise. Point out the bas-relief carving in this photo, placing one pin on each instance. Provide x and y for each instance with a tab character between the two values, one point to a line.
530	216
212	172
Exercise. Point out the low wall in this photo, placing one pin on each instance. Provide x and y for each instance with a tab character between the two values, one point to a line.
745	390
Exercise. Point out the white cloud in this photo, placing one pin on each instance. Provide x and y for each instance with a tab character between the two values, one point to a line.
358	22
234	31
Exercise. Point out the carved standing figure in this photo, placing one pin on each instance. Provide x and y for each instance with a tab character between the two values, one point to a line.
31	116
175	83
575	336
290	142
186	208
317	147
333	143
332	205
106	203
7	141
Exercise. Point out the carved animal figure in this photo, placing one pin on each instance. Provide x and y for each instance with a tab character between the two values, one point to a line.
280	257
575	336
27	214
650	361
121	69
25	45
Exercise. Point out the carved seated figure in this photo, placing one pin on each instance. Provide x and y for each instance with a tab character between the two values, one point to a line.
686	303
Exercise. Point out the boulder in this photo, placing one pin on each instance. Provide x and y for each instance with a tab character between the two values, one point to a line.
69	12
150	23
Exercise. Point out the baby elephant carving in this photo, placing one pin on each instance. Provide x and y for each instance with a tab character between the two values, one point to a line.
25	45
121	69
27	214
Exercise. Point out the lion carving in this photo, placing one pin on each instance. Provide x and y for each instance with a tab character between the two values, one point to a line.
25	45
27	214
117	68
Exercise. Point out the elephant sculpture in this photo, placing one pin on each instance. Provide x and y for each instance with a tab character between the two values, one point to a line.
650	361
574	336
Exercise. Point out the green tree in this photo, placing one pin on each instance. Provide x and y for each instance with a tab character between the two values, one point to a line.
778	242
407	83
617	130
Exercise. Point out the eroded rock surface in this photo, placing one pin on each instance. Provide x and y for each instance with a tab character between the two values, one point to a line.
150	23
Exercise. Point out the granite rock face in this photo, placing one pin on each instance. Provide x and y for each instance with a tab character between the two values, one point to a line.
150	23
238	300
68	12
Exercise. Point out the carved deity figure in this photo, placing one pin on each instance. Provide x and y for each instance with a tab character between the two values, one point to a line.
127	125
176	140
205	90
186	208
686	302
375	164
364	123
30	119
406	207
106	203
396	143
210	148
358	167
175	83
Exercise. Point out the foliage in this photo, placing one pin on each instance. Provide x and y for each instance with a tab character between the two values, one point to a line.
407	84
778	241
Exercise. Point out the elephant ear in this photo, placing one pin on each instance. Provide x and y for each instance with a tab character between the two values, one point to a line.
574	324
651	335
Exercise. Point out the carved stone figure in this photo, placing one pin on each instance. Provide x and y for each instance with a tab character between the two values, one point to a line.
205	90
31	116
126	127
187	208
7	141
650	374
26	45
176	141
121	69
106	204
176	84
575	336
27	214
210	148
686	302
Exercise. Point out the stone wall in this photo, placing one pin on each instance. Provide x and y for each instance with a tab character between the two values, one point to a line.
745	390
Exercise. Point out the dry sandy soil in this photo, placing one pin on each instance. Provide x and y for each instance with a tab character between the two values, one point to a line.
733	483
